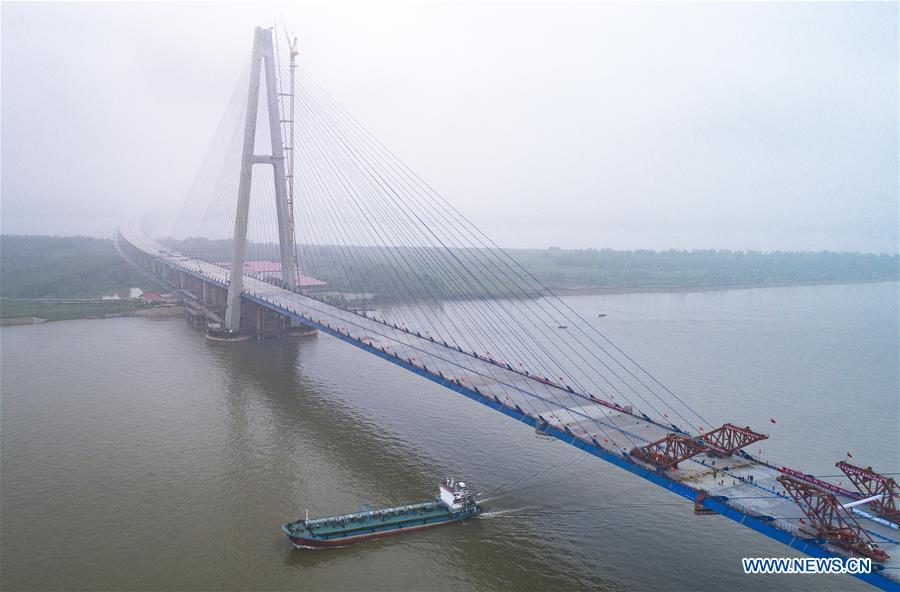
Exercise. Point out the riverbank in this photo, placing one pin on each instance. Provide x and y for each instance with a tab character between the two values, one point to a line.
61	278
395	274
22	311
611	290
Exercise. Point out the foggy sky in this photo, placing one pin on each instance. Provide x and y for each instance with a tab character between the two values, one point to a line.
762	126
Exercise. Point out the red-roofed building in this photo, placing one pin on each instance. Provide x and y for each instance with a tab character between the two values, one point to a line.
272	269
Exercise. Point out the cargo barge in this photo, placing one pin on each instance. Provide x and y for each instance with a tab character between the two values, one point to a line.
454	503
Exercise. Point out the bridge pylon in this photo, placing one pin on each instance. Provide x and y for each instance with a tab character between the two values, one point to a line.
263	54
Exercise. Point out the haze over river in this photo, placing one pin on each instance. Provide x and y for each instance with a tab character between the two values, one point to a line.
135	454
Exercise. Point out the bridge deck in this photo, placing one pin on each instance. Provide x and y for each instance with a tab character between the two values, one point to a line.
748	486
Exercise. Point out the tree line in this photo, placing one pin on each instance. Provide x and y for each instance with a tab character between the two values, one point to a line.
83	267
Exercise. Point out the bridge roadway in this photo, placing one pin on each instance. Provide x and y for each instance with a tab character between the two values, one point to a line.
741	487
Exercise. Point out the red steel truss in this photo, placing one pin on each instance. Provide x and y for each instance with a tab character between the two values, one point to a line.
729	438
870	483
832	522
669	451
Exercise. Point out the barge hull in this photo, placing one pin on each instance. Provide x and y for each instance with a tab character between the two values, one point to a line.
311	543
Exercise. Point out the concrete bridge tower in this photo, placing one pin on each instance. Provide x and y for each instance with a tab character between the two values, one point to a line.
263	53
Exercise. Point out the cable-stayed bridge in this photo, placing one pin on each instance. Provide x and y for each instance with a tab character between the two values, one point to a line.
301	221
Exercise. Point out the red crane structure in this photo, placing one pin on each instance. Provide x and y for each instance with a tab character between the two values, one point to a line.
870	483
831	521
669	451
729	438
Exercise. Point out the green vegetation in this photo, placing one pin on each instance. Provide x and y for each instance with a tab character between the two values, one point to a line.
62	267
607	268
362	269
65	310
35	270
50	267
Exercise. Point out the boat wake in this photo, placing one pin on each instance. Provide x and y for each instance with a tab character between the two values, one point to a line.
504	513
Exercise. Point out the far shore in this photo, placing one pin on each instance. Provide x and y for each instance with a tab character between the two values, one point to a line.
607	290
176	311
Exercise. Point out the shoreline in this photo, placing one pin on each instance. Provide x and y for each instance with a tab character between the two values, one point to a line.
154	312
177	310
611	291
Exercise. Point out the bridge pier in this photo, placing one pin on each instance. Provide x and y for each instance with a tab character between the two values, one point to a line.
205	301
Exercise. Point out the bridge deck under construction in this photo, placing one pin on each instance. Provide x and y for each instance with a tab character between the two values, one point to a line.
739	486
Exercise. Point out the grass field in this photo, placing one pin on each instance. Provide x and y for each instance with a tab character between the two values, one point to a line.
60	311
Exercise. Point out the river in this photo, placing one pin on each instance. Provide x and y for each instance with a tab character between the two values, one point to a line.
136	455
